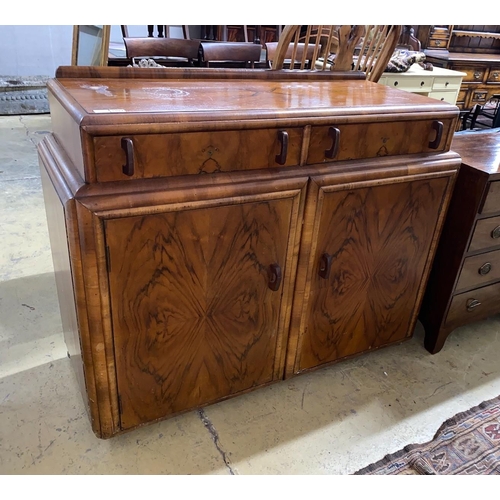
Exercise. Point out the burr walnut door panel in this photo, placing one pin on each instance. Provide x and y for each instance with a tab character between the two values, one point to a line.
198	303
368	256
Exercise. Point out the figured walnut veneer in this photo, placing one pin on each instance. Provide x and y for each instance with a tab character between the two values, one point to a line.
215	232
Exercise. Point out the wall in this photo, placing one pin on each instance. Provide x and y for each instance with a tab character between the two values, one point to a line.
39	50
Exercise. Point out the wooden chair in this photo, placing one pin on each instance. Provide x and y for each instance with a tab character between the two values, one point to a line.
170	51
338	48
229	54
271	48
482	116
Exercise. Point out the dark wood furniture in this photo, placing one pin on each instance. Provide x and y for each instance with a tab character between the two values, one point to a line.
464	284
215	231
173	51
472	49
227	53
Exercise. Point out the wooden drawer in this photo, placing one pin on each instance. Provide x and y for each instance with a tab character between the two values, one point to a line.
492	201
410	84
479	270
494	75
486	234
369	140
437	43
474	74
474	305
161	155
479	96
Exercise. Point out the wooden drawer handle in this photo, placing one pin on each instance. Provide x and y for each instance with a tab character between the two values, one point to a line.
128	147
325	264
274	277
472	304
438	127
485	269
283	138
495	233
334	134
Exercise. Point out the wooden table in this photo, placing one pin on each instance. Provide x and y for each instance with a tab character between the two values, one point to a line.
215	231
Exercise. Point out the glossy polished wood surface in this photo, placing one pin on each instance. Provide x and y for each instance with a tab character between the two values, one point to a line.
195	319
121	101
480	149
200	213
377	258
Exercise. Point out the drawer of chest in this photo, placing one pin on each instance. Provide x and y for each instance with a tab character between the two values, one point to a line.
436	43
486	234
473	74
479	270
161	155
446	83
410	83
444	95
494	75
369	140
474	305
492	200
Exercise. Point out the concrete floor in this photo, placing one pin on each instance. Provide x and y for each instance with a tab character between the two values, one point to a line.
333	421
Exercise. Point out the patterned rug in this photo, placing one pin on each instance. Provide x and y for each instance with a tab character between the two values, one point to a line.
468	443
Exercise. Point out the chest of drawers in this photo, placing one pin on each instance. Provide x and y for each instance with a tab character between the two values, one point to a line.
481	78
465	278
217	231
440	83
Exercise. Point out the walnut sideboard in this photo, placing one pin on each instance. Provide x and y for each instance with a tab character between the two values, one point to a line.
464	285
214	231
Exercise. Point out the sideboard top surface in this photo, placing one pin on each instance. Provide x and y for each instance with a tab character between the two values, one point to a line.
480	150
121	101
466	57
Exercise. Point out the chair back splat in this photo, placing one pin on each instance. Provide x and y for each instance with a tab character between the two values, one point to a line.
335	48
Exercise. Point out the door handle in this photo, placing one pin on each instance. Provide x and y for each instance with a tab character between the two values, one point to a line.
274	277
325	264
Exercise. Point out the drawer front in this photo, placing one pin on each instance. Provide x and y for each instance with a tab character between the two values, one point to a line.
494	75
474	305
486	234
473	74
446	83
410	83
479	270
492	201
450	97
163	155
437	43
479	96
370	140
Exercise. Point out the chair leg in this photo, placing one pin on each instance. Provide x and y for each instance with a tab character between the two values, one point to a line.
475	113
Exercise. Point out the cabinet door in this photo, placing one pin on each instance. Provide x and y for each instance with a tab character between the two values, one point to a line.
198	301
365	267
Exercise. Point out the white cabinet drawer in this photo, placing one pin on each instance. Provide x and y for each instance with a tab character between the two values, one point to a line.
450	97
446	83
411	84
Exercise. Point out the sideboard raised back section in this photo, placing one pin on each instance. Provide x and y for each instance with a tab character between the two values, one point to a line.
217	231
